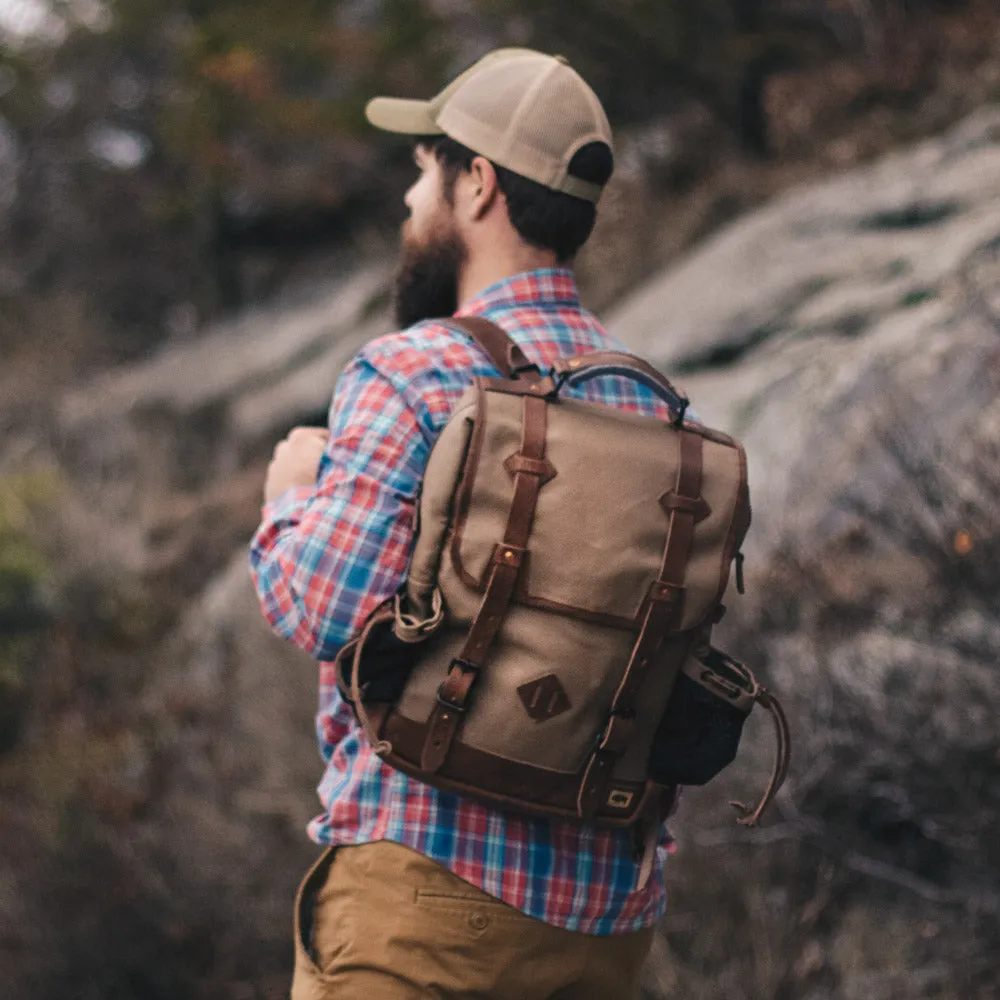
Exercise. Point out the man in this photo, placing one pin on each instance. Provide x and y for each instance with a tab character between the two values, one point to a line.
422	893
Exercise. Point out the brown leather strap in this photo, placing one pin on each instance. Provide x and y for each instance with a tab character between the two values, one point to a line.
382	615
503	351
750	816
647	828
684	511
531	471
662	614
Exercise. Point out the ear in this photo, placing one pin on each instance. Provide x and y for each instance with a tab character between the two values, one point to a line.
482	187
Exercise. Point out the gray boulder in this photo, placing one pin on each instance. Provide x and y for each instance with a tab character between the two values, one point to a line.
171	451
848	333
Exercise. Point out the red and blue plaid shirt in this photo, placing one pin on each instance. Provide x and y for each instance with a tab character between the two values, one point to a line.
323	558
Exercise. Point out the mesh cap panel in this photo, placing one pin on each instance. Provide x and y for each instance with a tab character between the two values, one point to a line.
524	110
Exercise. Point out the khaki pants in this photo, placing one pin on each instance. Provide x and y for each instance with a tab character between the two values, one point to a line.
381	922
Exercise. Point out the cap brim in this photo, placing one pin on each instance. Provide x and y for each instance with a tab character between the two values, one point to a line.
394	114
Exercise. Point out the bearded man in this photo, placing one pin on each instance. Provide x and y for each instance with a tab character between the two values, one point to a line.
422	893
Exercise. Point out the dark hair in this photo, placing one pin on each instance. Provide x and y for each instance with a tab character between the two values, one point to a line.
546	219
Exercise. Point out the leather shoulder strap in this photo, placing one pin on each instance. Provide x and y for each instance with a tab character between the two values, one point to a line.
503	351
531	471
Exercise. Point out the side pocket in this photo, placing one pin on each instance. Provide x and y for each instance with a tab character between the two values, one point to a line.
386	661
703	722
701	728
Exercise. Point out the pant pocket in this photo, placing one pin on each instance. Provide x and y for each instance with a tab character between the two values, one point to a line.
309	982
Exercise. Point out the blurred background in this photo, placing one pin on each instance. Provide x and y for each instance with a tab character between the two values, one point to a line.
196	232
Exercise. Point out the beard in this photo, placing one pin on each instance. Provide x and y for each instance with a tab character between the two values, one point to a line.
426	281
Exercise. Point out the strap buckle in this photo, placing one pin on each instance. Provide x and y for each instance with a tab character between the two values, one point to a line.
446	702
614	739
529	367
443	697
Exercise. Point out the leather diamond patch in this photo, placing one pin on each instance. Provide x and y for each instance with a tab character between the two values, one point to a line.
544	698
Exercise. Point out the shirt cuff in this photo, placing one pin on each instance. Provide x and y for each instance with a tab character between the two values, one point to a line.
286	505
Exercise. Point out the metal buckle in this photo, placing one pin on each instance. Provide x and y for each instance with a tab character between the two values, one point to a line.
447	702
682	407
626	717
467	668
559	379
677	419
619	798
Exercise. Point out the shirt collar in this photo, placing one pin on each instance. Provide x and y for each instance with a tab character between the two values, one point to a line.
544	286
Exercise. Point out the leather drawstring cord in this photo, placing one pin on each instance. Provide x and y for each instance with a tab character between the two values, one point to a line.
751	816
650	840
650	824
380	746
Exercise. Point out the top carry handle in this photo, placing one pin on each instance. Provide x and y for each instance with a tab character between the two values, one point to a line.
514	364
573	371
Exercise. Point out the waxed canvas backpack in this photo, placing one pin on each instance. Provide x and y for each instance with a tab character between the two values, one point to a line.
551	650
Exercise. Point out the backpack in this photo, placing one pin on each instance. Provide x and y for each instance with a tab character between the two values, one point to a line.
550	651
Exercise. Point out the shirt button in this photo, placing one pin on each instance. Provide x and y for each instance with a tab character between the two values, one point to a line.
479	922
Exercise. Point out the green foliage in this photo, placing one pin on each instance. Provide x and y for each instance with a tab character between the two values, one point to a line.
23	566
645	55
273	75
24	571
238	121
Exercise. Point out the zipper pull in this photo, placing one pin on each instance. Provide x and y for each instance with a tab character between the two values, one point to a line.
739	573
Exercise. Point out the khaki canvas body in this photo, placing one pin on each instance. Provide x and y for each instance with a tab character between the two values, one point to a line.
538	706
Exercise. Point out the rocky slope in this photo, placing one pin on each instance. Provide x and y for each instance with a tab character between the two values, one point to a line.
848	332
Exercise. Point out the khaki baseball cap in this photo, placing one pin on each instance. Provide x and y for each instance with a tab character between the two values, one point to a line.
521	109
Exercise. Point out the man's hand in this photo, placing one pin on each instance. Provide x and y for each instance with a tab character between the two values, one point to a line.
295	461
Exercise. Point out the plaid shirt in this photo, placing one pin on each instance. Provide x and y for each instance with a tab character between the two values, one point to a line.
323	558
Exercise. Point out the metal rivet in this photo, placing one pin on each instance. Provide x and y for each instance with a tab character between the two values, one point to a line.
479	922
508	556
575	364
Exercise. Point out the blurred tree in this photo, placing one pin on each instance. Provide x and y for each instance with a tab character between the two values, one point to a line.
155	143
645	56
161	162
24	571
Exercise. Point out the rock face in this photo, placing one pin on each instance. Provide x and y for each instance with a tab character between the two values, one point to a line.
221	399
848	333
171	450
